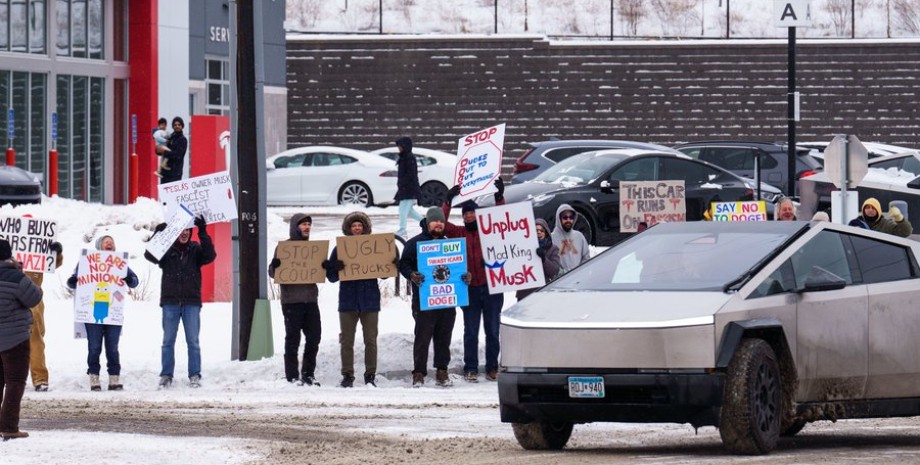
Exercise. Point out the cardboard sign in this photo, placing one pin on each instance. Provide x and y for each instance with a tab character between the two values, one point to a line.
739	211
442	263
30	239
479	162
301	262
101	289
651	202
163	240
210	195
508	236
366	256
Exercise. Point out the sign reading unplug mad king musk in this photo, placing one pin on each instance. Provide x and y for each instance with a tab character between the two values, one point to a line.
442	263
651	202
508	236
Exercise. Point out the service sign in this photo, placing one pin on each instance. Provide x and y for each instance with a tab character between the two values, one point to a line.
30	239
210	195
479	162
301	262
508	236
651	202
101	289
442	263
366	256
739	211
160	242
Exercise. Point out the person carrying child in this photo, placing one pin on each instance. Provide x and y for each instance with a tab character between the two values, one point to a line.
161	137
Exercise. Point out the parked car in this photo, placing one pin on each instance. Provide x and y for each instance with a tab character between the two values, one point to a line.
738	157
435	172
542	155
589	182
329	175
806	321
18	186
875	149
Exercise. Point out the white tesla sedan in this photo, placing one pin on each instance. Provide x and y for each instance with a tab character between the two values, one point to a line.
323	175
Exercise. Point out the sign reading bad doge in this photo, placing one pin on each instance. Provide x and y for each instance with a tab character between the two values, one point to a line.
366	256
301	262
508	236
30	239
210	195
651	202
739	211
442	263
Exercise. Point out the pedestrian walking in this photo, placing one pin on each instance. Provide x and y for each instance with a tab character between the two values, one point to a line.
408	190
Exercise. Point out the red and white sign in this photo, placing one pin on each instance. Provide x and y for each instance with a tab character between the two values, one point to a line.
508	236
31	239
479	162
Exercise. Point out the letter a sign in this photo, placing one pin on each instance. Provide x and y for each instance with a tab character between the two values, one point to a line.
792	13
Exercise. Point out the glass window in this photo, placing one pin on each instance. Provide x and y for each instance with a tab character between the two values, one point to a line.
20	99
425	161
37	26
79	139
19	31
4	106
691	172
881	262
64	145
560	154
218	86
780	281
4	26
692	152
37	125
769	162
292	161
730	158
95	29
62	23
826	250
78	28
96	138
643	169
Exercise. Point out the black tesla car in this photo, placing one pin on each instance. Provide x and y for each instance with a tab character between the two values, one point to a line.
589	182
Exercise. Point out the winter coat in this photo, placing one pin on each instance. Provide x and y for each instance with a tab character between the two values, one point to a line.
360	295
295	293
17	294
475	265
181	265
175	158
407	187
551	265
573	247
408	263
901	228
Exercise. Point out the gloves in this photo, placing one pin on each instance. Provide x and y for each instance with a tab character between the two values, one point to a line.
541	253
336	266
895	214
72	282
200	222
417	278
160	227
453	192
276	262
466	277
396	261
500	185
56	247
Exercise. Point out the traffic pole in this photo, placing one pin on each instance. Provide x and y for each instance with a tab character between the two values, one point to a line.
52	172
11	156
132	177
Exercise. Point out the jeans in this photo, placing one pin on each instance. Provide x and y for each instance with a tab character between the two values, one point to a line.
300	318
432	324
348	322
488	308
14	368
407	209
191	324
95	333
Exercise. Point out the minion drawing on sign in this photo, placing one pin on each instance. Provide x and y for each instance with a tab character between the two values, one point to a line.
101	299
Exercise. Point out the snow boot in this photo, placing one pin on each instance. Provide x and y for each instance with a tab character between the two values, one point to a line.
114	383
94	383
441	378
347	381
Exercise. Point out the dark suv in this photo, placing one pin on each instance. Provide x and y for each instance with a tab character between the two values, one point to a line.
542	155
738	157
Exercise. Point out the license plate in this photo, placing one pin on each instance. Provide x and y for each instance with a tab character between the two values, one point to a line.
586	386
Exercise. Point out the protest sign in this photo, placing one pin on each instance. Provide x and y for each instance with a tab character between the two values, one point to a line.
161	242
301	262
508	236
30	239
739	211
479	162
210	195
651	202
101	290
442	263
367	256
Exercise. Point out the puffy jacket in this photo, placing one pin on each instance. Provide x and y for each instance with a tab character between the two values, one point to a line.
295	293
551	264
360	295
408	263
178	144
407	187
17	294
181	265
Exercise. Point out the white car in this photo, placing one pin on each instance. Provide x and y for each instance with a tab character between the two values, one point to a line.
322	175
435	172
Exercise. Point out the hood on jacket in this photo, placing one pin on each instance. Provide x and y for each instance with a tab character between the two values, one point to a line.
295	222
102	238
545	225
356	216
562	207
875	204
405	142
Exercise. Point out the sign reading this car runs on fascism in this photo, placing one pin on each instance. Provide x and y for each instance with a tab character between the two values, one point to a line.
651	202
508	238
479	162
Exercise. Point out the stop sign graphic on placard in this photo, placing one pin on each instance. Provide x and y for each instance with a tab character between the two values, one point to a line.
479	162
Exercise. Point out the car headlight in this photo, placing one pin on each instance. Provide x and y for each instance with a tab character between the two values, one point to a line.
542	199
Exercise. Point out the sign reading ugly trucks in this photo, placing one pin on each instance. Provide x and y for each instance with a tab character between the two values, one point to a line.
479	162
651	202
508	236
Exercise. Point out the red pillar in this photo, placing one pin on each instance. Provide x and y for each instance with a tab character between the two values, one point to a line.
53	172
143	97
11	156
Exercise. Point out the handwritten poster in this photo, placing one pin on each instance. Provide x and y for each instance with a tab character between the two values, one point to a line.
442	263
301	262
739	211
101	290
366	256
479	162
651	202
508	236
161	242
210	195
30	239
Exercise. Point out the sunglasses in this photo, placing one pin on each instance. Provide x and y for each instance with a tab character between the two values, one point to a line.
541	231
567	217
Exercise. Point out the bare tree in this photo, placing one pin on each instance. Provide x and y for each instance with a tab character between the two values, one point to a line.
303	12
839	13
681	15
906	15
631	13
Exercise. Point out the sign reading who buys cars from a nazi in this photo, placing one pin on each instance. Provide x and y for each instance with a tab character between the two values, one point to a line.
101	290
508	236
739	211
30	239
210	195
651	202
442	263
479	162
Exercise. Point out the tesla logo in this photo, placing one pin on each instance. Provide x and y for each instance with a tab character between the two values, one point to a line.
224	141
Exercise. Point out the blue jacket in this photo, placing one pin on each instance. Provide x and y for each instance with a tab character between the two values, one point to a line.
362	295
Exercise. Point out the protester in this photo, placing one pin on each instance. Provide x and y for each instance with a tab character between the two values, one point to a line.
408	190
573	247
821	216
872	214
37	366
482	306
17	294
359	301
435	325
785	210
96	333
180	298
175	156
548	254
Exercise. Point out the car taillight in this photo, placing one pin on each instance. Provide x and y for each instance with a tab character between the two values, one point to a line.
520	166
805	173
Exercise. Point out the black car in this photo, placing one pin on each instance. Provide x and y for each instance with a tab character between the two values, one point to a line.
589	182
542	155
18	186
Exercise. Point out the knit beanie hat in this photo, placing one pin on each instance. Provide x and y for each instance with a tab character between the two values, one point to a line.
434	214
468	206
6	252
